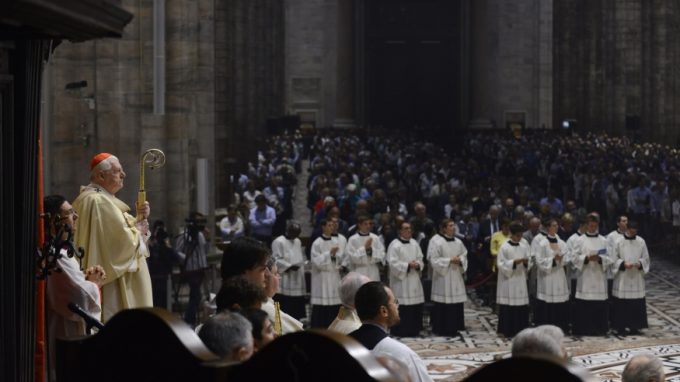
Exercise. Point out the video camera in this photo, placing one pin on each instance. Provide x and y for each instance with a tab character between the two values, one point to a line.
160	233
193	227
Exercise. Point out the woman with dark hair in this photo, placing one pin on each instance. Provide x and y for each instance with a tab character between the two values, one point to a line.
263	328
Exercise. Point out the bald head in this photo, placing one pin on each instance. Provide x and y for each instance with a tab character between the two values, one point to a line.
643	368
349	287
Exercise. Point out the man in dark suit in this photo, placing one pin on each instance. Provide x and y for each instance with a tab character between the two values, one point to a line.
478	261
487	228
378	310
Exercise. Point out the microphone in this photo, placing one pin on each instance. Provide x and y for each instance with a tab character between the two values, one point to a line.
89	320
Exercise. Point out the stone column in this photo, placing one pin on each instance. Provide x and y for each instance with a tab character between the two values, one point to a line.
344	101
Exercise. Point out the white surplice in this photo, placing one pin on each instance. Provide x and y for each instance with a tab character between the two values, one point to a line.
612	239
572	250
448	286
64	287
630	283
288	253
552	285
592	281
405	282
512	278
392	348
358	258
325	271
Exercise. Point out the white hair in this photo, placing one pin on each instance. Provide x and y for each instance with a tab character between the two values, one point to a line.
349	287
104	165
544	339
227	332
643	368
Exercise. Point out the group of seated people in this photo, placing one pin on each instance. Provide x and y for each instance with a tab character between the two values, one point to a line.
262	201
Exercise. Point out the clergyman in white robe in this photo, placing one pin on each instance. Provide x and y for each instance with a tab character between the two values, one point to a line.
591	315
631	263
552	297
448	258
512	294
363	260
406	284
291	264
325	297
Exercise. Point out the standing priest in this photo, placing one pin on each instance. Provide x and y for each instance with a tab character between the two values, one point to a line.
406	262
114	238
512	295
365	250
448	257
287	250
326	262
591	313
631	263
552	297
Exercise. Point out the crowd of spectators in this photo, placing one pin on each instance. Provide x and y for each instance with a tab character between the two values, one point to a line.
263	197
483	177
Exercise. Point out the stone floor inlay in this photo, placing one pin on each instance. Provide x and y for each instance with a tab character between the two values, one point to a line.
452	358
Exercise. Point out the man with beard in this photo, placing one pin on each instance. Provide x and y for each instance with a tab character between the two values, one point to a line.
378	310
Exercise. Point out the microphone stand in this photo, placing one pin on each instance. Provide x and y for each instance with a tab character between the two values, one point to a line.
90	321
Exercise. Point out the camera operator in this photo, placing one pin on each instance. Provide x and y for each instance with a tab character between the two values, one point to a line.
193	244
162	257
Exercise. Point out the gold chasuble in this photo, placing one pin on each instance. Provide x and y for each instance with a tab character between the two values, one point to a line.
107	233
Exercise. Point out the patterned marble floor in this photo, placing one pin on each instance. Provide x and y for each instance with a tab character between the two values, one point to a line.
451	359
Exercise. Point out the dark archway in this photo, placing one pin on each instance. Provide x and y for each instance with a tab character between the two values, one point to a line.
413	58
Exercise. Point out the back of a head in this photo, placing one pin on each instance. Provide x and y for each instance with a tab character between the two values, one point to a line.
369	298
52	204
242	254
643	368
542	340
349	287
227	334
239	293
